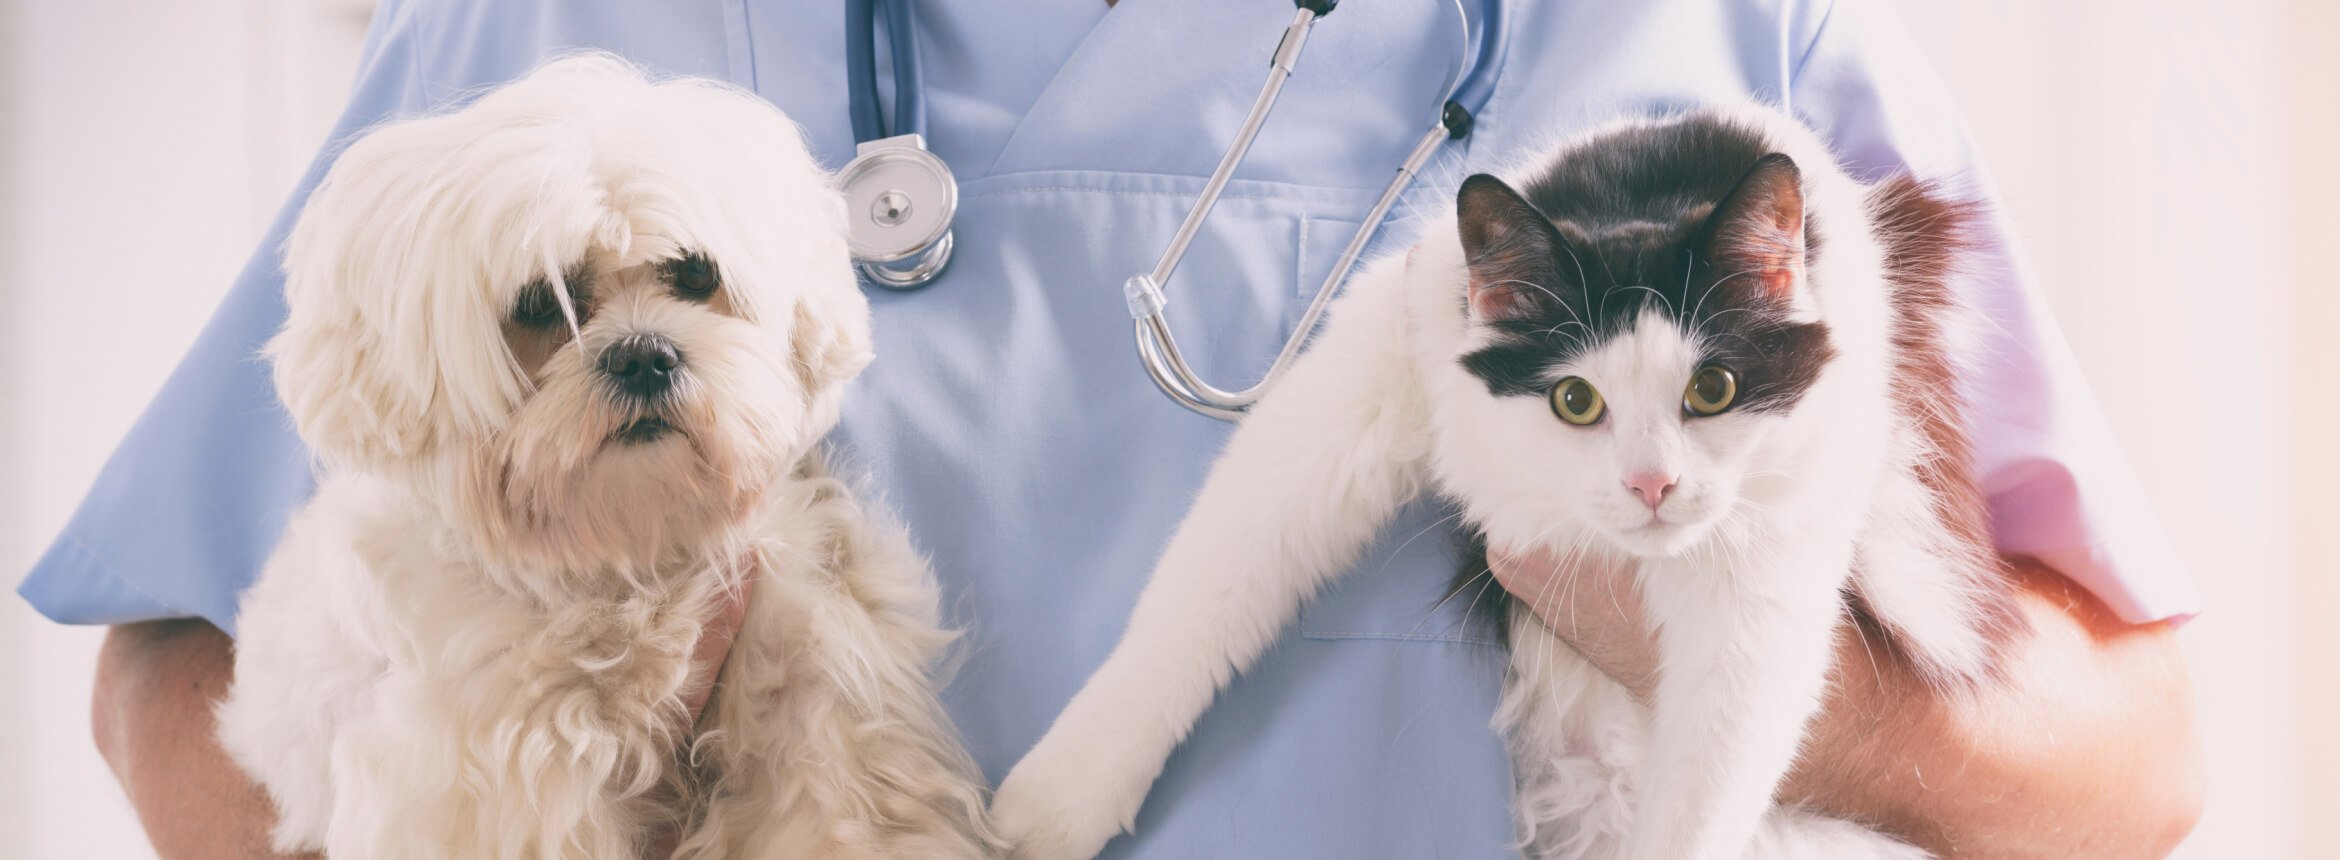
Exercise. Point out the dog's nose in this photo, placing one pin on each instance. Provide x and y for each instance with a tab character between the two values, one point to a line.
642	365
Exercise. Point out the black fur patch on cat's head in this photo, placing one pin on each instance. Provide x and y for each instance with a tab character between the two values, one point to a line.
1696	219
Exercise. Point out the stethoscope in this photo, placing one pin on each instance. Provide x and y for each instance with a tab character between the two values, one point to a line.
899	197
902	197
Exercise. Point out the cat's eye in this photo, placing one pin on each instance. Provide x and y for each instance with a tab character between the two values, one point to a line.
1577	402
693	276
1711	391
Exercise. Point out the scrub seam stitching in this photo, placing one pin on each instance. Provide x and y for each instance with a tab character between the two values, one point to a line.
1123	192
1796	76
108	568
1397	637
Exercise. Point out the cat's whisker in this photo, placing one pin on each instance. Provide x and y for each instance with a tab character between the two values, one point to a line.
1456	515
1486	572
1545	656
1394	554
1727	312
1480	597
1556	299
1567	563
1576	555
1668	302
1710	288
1614	603
1876	672
1606	270
1689	268
1579	342
1580	278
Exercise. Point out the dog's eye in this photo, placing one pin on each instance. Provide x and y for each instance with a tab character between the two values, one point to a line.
693	276
536	307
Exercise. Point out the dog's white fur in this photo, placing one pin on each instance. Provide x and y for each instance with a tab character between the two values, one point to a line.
475	640
1743	583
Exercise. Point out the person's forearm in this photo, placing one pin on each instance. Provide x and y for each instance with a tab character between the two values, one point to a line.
2084	748
157	683
2114	771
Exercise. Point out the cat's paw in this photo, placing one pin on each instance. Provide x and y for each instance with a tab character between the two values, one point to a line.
1060	805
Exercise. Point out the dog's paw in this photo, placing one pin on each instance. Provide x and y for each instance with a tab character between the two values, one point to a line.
1059	805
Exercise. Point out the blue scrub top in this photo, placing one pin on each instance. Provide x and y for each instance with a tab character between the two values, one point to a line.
1007	417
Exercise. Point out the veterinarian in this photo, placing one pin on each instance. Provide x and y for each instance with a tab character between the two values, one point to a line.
1008	419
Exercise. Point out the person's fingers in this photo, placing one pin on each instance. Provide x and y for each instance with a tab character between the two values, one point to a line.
1536	576
1555	587
1590	602
715	643
1519	573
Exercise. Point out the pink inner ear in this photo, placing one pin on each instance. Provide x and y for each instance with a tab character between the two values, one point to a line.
1781	281
1500	284
1769	250
1759	228
1497	300
1776	267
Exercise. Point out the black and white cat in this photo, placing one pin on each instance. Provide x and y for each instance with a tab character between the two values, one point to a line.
1692	343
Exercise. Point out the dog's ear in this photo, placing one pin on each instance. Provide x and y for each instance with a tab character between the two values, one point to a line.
398	278
333	377
347	366
831	337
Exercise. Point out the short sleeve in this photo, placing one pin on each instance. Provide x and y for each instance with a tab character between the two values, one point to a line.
186	510
2060	490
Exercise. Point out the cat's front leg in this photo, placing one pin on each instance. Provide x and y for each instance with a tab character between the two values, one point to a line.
1291	506
1744	649
1309	477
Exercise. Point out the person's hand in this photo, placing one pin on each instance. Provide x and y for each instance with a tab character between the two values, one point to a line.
2084	748
715	645
706	662
158	685
1592	604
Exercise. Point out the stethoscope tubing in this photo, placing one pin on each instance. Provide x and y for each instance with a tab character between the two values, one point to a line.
1158	350
1470	84
861	69
1478	85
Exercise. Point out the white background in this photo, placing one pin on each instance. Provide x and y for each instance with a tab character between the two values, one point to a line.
2169	163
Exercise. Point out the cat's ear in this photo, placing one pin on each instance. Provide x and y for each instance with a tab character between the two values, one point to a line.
1510	248
1756	235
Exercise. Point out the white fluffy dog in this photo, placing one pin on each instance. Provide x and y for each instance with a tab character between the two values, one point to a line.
565	356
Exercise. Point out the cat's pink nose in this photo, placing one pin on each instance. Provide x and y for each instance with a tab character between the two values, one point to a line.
1651	487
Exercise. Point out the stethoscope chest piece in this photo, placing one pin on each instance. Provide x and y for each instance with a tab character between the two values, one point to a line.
899	199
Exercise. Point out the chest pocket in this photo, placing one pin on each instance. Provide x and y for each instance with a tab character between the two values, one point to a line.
1012	424
1406	589
1412	586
